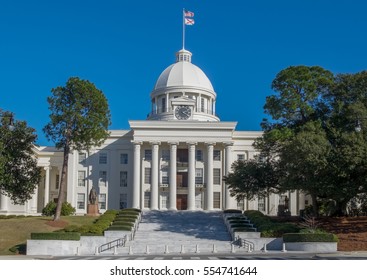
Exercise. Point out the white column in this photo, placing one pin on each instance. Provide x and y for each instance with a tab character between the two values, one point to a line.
34	201
172	177
167	102
155	177
136	185
47	185
209	177
191	178
3	202
229	201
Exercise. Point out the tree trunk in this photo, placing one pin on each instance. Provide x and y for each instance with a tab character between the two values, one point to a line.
315	207
63	184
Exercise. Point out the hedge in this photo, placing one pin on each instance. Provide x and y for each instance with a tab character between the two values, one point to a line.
232	211
55	235
244	229
120	227
130	210
269	228
309	237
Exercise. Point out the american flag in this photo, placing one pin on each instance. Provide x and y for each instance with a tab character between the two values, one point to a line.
189	21
189	14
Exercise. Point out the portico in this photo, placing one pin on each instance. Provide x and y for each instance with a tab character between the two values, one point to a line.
184	167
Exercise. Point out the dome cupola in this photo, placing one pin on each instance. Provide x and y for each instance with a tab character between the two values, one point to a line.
183	92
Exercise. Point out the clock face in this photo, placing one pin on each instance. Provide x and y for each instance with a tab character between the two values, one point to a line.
182	112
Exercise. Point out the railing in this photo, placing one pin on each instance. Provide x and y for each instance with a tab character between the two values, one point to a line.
160	110
248	245
115	243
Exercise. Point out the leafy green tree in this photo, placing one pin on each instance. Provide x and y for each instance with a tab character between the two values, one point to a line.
253	178
19	174
293	147
79	119
347	133
300	90
304	162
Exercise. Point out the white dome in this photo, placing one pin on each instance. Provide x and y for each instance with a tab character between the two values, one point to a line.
183	74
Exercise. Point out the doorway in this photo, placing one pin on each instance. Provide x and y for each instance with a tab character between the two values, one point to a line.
181	202
182	179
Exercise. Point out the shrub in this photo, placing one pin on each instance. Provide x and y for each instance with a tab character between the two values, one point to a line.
50	209
310	237
131	210
55	236
244	229
232	211
269	228
123	228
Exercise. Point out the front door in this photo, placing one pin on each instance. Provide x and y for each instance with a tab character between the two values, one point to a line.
182	179
181	202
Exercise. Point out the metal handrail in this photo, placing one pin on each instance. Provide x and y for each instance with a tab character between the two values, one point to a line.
115	243
245	243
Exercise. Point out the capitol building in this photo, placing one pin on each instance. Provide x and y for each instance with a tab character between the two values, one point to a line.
174	160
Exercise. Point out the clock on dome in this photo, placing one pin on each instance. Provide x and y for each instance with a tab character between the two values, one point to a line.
183	112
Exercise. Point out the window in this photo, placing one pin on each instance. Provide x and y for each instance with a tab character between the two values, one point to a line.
57	183
102	201
216	200
199	176
198	201
163	100
102	158
261	203
148	154
202	105
216	176
216	155
123	179
146	199
82	157
81	201
81	178
199	155
241	157
165	155
123	159
123	200
147	175
165	200
102	178
165	178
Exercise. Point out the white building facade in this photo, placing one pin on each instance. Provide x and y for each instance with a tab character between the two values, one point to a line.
174	160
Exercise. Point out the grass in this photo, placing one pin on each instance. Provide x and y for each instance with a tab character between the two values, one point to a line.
15	232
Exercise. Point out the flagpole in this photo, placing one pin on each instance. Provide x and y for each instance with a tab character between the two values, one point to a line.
183	28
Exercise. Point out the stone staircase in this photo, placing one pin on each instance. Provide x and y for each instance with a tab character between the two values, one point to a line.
179	232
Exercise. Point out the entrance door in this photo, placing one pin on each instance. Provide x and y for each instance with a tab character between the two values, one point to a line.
181	202
182	179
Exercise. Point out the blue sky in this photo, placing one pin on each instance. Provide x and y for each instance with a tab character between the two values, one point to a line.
123	46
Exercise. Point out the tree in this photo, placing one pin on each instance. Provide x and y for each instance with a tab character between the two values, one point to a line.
304	162
348	159
19	174
294	128
253	178
79	119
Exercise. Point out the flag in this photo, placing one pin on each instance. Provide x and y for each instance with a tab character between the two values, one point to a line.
188	14
189	21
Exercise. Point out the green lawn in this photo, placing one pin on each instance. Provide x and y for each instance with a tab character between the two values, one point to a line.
17	230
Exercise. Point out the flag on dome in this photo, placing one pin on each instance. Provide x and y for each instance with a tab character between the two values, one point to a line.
189	21
188	14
